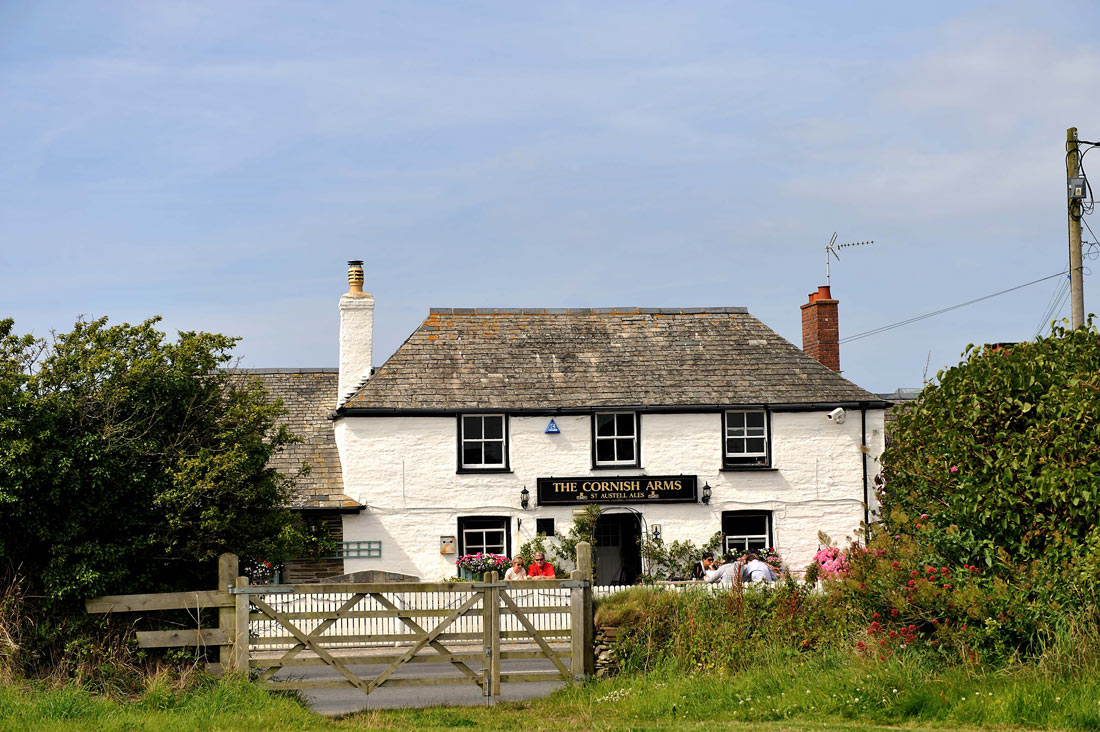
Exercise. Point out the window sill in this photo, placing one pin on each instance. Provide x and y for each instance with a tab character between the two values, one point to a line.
483	470
624	466
748	469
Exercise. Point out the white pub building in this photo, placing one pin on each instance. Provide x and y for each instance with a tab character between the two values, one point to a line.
488	426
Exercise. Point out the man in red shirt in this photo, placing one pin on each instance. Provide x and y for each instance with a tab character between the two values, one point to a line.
541	569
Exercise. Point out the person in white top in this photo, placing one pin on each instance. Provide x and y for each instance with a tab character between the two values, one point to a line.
516	571
727	573
757	571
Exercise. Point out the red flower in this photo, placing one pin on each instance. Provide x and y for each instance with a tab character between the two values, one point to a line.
895	565
914	573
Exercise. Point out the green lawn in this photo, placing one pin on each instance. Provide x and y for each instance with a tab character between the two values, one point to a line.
839	697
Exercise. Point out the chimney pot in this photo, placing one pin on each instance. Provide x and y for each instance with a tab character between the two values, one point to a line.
355	277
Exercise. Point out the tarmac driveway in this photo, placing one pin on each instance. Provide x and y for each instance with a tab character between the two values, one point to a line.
345	700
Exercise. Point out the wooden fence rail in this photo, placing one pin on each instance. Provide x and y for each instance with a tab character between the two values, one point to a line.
293	626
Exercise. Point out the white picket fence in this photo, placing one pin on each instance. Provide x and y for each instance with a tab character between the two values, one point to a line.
550	613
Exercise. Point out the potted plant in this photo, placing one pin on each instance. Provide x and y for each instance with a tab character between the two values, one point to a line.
474	566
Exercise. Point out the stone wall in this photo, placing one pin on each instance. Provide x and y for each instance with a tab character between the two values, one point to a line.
607	663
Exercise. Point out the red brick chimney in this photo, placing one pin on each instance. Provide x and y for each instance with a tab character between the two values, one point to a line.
820	328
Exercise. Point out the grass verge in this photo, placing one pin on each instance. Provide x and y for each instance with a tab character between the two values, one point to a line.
822	693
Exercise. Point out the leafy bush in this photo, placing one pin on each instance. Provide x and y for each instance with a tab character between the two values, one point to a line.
1002	455
673	561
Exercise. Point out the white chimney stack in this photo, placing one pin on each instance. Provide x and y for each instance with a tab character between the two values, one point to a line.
356	333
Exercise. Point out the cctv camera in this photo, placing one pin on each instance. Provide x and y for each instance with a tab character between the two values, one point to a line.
837	415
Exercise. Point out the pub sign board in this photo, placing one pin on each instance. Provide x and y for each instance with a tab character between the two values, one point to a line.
624	489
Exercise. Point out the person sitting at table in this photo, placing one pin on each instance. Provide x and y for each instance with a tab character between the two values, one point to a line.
756	570
516	571
728	573
540	568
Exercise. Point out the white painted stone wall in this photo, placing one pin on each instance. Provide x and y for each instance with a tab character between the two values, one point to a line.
403	469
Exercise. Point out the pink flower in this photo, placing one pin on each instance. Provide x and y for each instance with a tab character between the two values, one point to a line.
919	526
954	468
924	515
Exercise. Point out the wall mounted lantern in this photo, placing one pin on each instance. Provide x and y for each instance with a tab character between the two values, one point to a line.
524	498
706	493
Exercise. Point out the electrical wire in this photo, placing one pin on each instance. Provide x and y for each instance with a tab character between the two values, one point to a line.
876	331
1054	305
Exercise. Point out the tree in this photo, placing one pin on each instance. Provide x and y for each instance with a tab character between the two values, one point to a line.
1001	457
128	463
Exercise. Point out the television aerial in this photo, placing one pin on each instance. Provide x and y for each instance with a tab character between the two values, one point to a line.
832	247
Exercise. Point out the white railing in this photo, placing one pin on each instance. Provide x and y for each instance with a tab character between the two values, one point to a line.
551	613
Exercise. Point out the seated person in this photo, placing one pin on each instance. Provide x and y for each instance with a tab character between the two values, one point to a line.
516	571
757	571
699	569
540	569
728	573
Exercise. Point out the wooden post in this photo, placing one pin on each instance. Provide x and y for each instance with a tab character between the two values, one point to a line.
576	626
494	673
240	629
587	623
228	569
1076	280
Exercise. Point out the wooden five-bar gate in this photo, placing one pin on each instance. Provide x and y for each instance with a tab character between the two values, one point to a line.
471	627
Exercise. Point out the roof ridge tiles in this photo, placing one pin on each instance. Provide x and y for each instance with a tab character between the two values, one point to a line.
633	310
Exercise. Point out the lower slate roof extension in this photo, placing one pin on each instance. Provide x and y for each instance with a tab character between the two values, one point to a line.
556	359
308	395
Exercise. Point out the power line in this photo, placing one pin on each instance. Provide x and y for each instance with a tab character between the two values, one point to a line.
884	328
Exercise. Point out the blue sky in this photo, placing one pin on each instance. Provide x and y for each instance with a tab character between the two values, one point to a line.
217	163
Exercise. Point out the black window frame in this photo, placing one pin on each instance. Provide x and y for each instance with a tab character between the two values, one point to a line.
545	526
769	534
482	523
506	466
617	465
752	462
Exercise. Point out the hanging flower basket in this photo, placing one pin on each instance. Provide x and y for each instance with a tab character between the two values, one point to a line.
474	566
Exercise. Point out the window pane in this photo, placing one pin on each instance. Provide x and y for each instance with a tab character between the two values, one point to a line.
494	453
624	424
754	445
754	419
494	428
625	449
605	425
471	453
756	544
494	542
471	428
605	451
735	419
745	525
734	446
735	430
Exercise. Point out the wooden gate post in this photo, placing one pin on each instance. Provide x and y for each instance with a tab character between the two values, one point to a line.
490	627
228	570
582	623
240	628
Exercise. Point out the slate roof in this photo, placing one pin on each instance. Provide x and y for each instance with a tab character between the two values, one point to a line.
309	395
582	358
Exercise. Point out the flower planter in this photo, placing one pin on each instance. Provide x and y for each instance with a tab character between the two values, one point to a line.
469	575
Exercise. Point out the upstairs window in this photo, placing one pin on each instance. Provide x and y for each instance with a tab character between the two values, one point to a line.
746	438
616	439
483	442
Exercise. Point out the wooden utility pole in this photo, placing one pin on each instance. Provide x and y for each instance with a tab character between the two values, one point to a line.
1076	284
